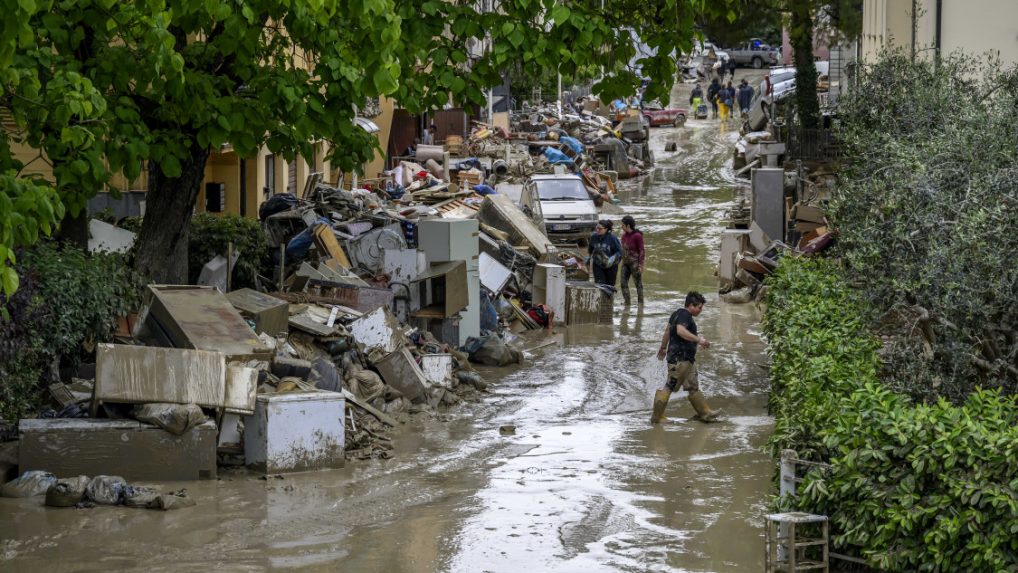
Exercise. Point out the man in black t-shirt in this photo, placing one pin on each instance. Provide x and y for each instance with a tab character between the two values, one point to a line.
679	345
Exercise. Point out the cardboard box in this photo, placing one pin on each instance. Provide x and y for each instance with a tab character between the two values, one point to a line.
808	213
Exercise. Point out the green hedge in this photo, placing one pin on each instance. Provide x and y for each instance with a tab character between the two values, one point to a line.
69	300
927	487
209	235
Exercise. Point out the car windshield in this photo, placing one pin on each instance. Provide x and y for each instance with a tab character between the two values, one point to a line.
561	190
652	105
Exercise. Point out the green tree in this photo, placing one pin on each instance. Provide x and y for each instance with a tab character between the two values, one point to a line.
102	86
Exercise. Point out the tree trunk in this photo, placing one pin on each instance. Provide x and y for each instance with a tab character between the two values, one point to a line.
801	37
169	202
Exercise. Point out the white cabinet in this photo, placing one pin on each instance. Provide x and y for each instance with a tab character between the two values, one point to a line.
550	288
296	432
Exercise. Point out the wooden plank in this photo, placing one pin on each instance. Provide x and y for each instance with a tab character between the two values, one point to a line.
326	242
382	417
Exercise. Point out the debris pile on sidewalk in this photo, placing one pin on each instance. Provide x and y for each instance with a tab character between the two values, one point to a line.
749	253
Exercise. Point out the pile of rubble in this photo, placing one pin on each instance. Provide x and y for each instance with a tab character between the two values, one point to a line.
380	299
749	254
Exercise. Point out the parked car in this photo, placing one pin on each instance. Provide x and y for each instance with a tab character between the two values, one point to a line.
754	53
561	203
782	82
657	115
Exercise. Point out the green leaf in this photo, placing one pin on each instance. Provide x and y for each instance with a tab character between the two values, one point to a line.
170	166
10	280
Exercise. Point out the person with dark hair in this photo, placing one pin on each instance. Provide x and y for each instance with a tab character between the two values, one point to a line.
712	96
731	68
604	250
679	345
632	259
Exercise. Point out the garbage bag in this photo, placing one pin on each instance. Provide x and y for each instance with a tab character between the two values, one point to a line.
67	492
106	490
28	484
276	204
140	497
489	316
174	500
494	352
326	376
174	418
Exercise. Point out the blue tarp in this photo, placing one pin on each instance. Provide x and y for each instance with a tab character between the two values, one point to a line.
556	157
572	142
483	190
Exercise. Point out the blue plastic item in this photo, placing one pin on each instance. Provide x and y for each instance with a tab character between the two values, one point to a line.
556	157
483	189
572	142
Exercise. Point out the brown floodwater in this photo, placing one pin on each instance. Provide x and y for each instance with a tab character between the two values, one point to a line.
585	484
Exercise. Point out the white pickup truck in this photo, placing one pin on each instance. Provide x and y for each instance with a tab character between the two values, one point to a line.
755	53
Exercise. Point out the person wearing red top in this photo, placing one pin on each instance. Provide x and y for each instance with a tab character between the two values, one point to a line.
632	259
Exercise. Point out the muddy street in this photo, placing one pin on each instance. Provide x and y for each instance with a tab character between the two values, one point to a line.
584	483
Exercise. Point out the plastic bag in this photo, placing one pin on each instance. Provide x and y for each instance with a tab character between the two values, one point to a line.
67	492
175	500
140	497
29	484
106	490
494	352
174	418
365	384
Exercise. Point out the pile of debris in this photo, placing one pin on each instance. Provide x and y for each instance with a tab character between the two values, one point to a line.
748	256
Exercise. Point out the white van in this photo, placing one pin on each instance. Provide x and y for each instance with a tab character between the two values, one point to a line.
562	203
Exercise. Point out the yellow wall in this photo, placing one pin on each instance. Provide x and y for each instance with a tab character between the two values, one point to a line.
974	26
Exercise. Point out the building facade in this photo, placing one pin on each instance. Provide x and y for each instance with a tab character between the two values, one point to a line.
924	28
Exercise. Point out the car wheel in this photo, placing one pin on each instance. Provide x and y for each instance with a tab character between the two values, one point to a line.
757	62
680	120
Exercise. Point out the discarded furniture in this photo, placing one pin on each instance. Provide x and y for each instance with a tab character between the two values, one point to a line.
143	374
803	548
550	288
501	213
733	243
295	432
494	275
128	448
360	298
587	304
378	329
448	240
437	369
768	200
201	318
442	290
400	370
269	313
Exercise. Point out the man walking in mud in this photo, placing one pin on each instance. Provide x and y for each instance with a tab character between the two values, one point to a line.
679	345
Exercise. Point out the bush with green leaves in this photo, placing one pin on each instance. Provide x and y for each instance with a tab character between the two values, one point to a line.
927	209
910	487
68	301
211	235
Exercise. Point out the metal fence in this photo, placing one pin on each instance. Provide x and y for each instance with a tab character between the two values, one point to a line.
810	144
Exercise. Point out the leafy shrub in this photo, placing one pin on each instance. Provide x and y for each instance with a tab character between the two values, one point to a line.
210	235
927	487
925	210
69	301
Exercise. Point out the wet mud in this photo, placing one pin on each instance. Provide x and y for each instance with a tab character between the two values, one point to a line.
584	484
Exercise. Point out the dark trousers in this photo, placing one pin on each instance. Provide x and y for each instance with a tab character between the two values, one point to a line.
606	276
632	270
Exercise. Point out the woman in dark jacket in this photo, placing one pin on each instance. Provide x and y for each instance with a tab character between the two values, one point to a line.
605	252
